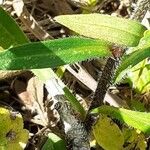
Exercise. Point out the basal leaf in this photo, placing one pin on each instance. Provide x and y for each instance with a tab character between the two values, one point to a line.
52	53
109	28
108	134
136	119
10	33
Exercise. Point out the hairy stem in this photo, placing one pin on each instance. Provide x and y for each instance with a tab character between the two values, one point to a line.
104	82
111	65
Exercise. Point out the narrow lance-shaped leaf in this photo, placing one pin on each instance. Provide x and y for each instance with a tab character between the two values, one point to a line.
10	33
15	37
139	53
52	53
109	28
130	61
138	120
75	103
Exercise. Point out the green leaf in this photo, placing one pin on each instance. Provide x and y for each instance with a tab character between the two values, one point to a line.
138	120
48	145
139	75
54	143
130	61
60	71
137	105
145	41
109	28
75	103
141	52
133	139
52	53
44	74
147	66
93	2
108	134
10	33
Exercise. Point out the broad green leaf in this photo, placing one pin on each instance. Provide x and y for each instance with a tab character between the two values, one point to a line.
10	33
54	143
52	53
136	119
109	28
20	38
132	66
108	134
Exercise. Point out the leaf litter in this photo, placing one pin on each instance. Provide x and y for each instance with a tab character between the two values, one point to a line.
29	94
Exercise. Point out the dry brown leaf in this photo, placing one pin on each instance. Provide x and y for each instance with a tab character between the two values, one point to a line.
9	74
20	88
29	21
31	94
35	89
58	7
